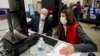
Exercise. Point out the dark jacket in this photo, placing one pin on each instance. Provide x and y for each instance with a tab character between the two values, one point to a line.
61	33
87	46
34	25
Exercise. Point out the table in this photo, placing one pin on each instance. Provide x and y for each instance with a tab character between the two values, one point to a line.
28	47
32	51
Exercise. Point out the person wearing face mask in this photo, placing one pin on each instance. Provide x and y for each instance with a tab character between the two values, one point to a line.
62	28
41	24
71	32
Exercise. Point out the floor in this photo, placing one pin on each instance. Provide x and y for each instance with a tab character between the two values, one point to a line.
3	27
93	34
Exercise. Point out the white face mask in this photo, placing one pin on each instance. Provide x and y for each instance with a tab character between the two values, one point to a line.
42	17
63	20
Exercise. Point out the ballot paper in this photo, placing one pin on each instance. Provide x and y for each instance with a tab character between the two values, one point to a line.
56	52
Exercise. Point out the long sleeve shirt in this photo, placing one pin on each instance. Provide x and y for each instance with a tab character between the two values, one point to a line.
88	45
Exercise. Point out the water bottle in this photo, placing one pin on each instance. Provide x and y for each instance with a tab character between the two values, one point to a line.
41	47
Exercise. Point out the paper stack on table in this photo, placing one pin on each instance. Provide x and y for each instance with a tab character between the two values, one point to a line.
55	52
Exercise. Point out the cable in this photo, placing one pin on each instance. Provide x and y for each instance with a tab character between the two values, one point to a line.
1	52
4	36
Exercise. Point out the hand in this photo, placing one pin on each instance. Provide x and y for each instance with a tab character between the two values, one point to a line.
67	50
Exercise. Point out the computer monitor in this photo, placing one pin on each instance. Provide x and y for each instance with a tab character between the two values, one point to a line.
18	15
17	20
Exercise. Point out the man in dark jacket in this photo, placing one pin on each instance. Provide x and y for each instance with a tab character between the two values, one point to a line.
41	24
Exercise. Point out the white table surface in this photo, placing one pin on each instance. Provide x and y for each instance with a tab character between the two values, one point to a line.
33	50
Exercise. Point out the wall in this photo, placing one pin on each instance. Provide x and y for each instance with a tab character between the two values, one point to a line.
26	4
4	4
71	1
37	5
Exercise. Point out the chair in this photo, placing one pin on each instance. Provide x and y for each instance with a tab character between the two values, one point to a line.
97	22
